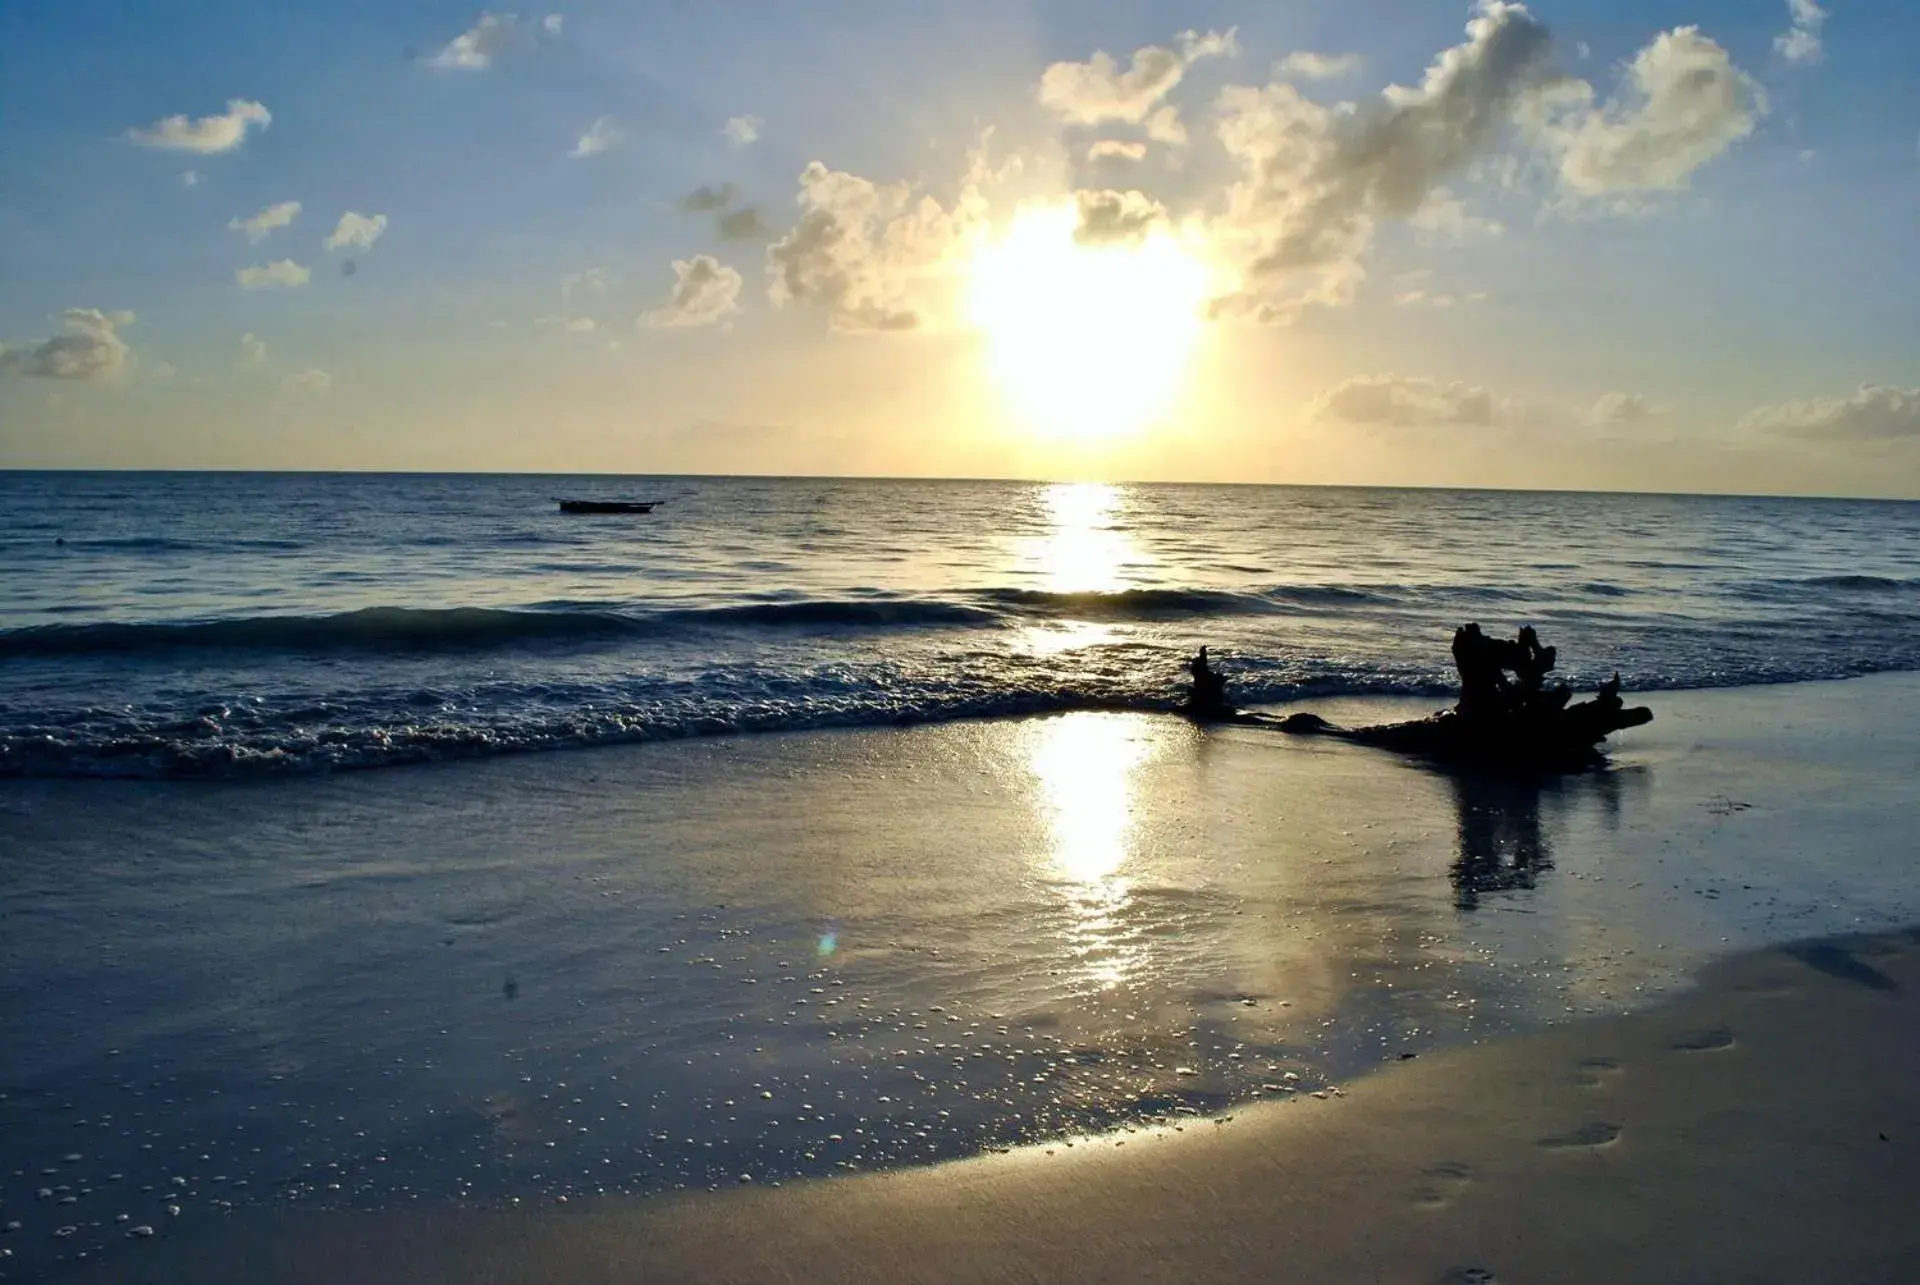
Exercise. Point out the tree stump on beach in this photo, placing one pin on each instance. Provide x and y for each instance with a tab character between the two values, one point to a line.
1507	714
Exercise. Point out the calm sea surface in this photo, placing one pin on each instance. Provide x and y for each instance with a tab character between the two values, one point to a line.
194	624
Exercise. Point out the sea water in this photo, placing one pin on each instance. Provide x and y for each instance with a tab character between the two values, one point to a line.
237	977
169	625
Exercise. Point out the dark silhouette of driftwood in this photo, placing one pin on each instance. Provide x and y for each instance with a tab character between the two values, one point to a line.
1507	715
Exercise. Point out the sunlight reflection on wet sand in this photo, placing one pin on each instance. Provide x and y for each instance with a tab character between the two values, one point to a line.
1085	765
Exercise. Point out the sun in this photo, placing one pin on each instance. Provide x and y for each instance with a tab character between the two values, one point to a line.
1086	342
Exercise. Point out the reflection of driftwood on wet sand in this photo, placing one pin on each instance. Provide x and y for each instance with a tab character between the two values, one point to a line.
1507	714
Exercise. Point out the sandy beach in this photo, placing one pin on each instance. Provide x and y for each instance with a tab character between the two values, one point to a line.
1765	1127
1071	985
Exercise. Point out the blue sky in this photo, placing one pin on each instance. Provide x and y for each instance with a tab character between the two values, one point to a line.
1589	288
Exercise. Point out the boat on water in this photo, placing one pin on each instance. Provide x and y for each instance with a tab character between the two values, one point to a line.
606	506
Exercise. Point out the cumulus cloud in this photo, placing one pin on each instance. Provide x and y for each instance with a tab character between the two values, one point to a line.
356	231
258	226
1621	408
1306	65
1315	180
205	134
491	36
704	198
1403	401
1114	149
253	349
1100	90
90	348
859	247
1115	218
601	136
743	224
310	381
1873	414
1801	42
1684	103
281	272
705	291
741	130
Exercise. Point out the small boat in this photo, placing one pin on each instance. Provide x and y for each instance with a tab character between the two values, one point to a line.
606	506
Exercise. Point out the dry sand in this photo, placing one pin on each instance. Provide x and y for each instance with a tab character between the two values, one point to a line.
1764	1126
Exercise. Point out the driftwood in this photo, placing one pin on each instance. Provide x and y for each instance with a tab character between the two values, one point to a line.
1507	715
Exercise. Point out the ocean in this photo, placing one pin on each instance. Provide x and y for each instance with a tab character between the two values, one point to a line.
593	935
234	624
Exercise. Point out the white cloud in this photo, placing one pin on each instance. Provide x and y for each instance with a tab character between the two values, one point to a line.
705	290
310	381
1443	212
704	198
491	36
1099	90
741	130
1403	401
91	348
1872	414
583	325
281	272
1109	217
859	248
1306	65
356	231
258	226
1801	42
601	136
253	349
1684	104
1316	180
1621	408
1421	299
190	178
1165	126
206	134
1114	149
591	281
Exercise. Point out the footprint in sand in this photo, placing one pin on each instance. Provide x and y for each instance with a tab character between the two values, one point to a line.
1443	1182
1596	1072
1598	1133
1705	1041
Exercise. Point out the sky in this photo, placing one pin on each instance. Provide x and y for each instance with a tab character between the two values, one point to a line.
1581	244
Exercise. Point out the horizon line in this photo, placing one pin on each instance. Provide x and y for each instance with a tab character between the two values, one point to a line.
1004	480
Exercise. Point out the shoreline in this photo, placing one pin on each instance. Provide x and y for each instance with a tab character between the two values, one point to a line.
1763	1126
447	986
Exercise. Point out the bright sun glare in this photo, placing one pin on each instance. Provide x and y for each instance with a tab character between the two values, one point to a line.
1086	341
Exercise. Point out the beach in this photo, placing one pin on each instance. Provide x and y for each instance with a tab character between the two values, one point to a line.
1761	1128
546	1016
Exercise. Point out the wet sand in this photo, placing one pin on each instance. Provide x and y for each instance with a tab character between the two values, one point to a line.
429	994
1764	1127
